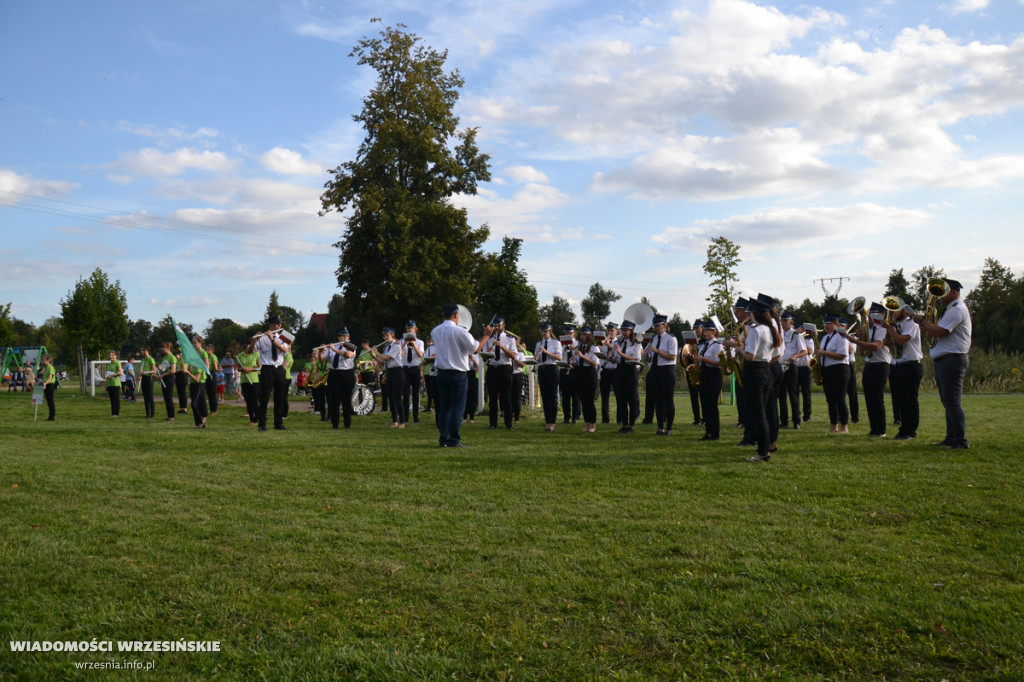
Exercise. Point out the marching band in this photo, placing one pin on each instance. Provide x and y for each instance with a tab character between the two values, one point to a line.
763	356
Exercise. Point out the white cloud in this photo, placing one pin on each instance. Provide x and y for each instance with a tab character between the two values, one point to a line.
962	6
152	162
176	133
13	184
794	228
281	160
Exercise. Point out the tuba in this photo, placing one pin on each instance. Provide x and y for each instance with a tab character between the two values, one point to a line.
892	305
937	288
858	305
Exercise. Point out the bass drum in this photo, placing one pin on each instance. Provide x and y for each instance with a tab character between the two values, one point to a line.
363	400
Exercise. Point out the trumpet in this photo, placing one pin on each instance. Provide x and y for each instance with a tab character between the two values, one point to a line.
937	288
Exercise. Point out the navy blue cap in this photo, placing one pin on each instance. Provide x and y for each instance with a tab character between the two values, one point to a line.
876	308
787	315
585	329
740	303
568	327
449	309
954	284
698	323
410	324
342	332
545	326
831	318
843	321
497	320
274	319
767	300
628	324
758	306
387	330
611	325
660	319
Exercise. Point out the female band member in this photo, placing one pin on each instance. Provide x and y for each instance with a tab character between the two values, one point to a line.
627	356
168	369
833	353
585	377
392	363
114	373
548	353
341	379
763	340
147	371
710	379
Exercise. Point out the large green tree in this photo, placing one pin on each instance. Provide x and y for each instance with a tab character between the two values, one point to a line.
898	286
558	313
406	248
597	305
722	258
503	289
94	318
987	300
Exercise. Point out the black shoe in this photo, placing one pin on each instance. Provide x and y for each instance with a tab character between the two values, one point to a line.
897	422
492	428
760	458
796	425
904	436
960	446
263	428
746	444
807	419
942	444
510	428
783	425
280	428
855	420
647	421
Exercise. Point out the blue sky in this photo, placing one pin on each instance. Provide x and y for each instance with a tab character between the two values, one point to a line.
182	147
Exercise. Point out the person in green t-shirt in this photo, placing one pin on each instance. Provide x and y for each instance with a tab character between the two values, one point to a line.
49	385
197	384
166	371
147	371
113	375
213	365
288	361
247	363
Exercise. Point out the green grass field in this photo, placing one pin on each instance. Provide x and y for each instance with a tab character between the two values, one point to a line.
372	554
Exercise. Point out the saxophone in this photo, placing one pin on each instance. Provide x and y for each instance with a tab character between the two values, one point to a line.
815	364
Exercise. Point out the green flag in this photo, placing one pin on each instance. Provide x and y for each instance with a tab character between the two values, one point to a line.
188	352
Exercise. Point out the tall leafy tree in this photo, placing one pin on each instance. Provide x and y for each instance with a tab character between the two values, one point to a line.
597	305
94	318
722	258
406	248
919	286
987	300
503	289
6	326
558	313
898	286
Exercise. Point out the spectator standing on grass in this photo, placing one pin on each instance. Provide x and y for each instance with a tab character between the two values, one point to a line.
147	371
113	375
128	382
212	367
227	365
49	386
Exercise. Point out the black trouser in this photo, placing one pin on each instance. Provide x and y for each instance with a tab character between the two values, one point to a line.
431	383
905	383
181	383
789	395
129	389
272	385
320	400
472	394
517	394
114	392
48	392
851	394
627	379
835	380
547	376
757	387
499	389
340	384
896	416
650	394
411	392
695	401
607	385
250	393
585	379
949	379
211	392
198	394
396	389
741	402
876	375
167	390
710	390
665	394
287	392
803	379
772	408
147	396
570	401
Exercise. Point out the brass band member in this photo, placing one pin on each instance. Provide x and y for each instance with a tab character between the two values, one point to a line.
794	351
317	382
710	378
876	368
548	353
607	378
272	351
585	378
833	353
688	356
412	359
390	359
341	378
763	341
627	353
749	435
906	373
498	380
663	352
566	387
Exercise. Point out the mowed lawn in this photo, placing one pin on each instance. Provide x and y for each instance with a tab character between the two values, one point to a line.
372	554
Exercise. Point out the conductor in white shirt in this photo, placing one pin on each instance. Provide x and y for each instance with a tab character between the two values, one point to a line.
454	346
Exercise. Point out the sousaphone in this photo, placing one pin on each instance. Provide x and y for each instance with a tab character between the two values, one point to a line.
640	314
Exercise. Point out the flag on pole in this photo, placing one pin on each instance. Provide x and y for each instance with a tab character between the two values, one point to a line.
188	352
